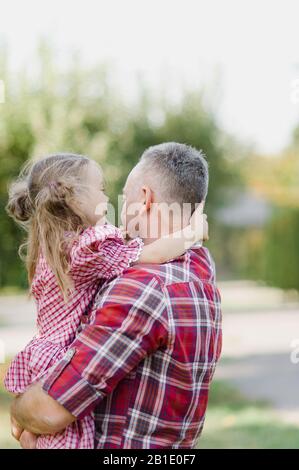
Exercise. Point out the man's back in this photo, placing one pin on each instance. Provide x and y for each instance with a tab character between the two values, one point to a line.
146	355
161	403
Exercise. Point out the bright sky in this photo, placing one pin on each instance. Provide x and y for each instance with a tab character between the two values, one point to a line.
246	51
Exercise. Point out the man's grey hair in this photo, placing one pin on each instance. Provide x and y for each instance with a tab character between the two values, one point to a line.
182	172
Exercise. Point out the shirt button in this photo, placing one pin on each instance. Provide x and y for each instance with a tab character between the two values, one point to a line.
70	353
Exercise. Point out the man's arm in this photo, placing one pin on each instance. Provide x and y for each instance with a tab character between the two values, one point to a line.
39	413
130	324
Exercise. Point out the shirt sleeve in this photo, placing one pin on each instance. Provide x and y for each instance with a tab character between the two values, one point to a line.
131	324
101	253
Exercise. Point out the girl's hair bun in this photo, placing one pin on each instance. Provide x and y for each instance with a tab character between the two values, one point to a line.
19	205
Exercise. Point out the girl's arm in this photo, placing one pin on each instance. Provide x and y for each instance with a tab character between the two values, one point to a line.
173	245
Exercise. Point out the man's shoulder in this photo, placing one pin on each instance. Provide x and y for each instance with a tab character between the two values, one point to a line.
135	285
196	264
141	276
151	287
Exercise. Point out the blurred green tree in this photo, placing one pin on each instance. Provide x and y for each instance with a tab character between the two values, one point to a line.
280	249
78	110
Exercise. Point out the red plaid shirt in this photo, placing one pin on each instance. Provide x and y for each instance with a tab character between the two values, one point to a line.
144	359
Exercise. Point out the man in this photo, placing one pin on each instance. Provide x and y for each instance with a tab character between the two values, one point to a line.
145	358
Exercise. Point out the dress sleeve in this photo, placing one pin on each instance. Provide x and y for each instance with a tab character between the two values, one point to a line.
101	253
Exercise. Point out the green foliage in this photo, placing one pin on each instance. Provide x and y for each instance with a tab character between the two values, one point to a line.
280	252
271	253
78	110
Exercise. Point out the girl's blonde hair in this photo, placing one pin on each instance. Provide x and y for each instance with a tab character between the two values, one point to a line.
44	201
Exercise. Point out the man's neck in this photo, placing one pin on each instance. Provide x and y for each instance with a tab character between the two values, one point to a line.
164	231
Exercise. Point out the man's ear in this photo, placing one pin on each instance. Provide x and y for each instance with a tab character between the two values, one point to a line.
148	198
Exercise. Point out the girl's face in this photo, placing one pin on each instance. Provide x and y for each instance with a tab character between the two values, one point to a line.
94	203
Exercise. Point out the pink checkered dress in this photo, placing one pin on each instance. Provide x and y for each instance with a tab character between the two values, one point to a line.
99	253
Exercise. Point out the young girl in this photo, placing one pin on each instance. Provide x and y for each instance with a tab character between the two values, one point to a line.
70	252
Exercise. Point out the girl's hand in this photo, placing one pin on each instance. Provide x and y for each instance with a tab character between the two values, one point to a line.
205	228
175	244
199	223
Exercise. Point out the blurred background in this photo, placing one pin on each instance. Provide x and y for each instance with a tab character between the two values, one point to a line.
110	78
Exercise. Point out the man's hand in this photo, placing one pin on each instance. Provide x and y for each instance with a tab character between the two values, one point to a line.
16	428
38	413
28	440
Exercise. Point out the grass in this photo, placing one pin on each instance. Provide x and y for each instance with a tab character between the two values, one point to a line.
12	290
232	422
